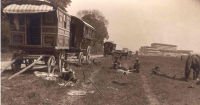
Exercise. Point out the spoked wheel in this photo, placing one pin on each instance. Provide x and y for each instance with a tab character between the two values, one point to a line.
88	55
61	60
51	64
45	59
80	58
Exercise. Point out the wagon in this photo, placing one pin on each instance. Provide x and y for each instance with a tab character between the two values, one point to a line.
81	38
121	53
109	48
41	31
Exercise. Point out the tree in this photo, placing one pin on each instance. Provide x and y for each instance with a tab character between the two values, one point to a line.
98	21
61	3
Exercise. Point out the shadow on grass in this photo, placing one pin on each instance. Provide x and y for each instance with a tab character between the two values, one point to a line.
120	83
170	77
29	71
198	83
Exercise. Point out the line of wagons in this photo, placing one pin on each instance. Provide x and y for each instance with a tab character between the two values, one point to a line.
110	49
45	32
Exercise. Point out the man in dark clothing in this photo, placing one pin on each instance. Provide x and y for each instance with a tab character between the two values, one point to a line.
68	75
137	65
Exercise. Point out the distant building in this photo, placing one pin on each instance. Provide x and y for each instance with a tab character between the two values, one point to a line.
160	46
148	50
125	49
160	49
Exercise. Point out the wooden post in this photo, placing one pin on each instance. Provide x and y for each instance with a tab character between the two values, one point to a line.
41	27
23	70
84	76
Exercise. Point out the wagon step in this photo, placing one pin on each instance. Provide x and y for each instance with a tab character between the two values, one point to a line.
34	56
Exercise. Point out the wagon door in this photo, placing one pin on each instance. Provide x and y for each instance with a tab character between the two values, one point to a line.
72	35
33	29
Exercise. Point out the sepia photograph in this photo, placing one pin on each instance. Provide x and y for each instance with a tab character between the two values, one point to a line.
100	52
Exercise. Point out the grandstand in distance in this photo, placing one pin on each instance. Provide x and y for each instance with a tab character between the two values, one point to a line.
160	49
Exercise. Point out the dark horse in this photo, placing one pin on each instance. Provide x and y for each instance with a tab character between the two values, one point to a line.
192	62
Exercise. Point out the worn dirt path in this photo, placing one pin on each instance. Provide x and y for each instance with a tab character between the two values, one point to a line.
150	95
117	89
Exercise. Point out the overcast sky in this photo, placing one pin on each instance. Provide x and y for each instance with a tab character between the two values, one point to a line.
135	23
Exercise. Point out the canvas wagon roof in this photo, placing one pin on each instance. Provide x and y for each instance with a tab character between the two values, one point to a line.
109	42
27	8
83	22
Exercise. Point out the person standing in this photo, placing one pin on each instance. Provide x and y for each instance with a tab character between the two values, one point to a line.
136	65
116	63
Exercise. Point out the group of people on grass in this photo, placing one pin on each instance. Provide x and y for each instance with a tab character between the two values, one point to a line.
135	66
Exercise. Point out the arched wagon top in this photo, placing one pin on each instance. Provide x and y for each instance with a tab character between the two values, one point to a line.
82	22
27	8
24	7
110	44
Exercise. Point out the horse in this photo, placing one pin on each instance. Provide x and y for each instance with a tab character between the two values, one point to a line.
192	62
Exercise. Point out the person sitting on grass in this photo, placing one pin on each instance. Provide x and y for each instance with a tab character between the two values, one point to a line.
116	63
68	75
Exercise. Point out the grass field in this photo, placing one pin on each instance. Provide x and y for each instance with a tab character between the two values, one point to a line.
110	87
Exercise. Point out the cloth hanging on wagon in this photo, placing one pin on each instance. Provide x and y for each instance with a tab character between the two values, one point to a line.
27	8
16	22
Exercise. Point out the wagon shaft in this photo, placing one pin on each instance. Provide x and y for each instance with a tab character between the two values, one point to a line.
23	70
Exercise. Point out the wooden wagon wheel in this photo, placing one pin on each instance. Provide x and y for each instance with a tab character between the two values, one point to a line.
88	51
61	60
80	58
51	64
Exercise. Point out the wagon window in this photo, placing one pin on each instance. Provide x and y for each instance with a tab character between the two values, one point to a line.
65	24
65	21
49	18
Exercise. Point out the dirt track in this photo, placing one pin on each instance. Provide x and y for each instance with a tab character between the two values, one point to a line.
113	88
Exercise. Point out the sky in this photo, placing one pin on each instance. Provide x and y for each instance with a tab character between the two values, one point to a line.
136	23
